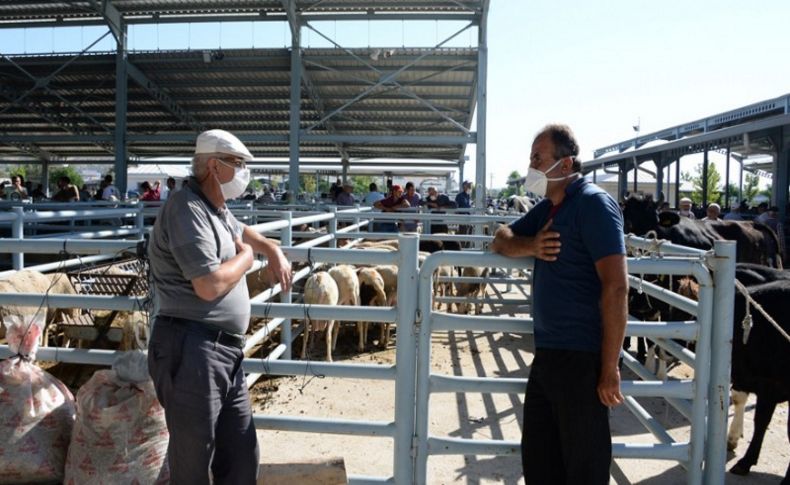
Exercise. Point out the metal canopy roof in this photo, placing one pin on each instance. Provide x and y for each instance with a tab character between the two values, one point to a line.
141	11
299	103
746	130
172	95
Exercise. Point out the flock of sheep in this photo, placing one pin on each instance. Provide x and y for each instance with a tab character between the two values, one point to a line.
338	285
372	286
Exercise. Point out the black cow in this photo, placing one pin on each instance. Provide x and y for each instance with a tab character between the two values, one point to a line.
757	243
761	365
436	246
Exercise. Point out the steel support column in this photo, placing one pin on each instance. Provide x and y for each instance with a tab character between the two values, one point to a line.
344	170
622	180
296	101
727	180
781	180
121	98
482	102
677	182
45	176
659	177
460	173
705	164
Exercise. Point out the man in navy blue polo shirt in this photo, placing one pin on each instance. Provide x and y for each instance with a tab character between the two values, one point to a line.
579	296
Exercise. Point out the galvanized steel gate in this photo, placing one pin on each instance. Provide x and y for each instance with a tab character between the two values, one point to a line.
704	400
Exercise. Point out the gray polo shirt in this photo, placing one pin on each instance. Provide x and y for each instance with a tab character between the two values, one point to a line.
192	238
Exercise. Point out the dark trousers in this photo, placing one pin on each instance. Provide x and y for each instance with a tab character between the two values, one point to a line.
201	386
566	437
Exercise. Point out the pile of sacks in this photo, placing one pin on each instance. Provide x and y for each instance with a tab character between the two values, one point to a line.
113	433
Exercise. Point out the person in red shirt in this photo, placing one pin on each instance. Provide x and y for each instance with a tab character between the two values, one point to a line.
394	201
150	193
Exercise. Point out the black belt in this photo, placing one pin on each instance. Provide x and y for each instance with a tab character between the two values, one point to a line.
216	335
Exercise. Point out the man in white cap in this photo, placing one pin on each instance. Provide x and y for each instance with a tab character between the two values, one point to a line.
199	254
685	208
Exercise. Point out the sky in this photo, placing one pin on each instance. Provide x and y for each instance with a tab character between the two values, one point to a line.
599	66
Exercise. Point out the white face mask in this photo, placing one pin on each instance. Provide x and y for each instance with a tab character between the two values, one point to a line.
536	181
237	185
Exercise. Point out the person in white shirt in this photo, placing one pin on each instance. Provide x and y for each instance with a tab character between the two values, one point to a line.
373	196
170	186
109	189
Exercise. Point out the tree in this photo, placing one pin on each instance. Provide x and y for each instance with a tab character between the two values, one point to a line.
751	187
512	189
362	184
713	184
734	195
56	173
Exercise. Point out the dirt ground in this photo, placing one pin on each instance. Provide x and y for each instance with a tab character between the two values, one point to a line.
471	416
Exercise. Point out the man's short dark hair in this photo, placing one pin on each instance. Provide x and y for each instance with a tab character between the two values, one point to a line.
373	187
409	185
108	178
564	141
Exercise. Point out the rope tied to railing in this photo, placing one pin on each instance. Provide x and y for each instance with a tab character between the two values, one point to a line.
748	321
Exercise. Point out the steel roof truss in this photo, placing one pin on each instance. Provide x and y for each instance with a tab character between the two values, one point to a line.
163	98
389	78
44	81
318	103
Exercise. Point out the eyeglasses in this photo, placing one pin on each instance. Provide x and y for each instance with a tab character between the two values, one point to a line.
536	160
236	162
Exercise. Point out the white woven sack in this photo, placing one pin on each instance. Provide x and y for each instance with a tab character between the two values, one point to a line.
120	434
36	410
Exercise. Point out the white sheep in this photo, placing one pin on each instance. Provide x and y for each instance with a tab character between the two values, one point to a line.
442	288
389	273
320	289
347	284
371	293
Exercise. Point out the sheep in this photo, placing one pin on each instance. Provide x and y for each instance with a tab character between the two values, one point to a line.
258	282
371	293
471	290
321	289
389	273
442	288
347	283
387	244
27	281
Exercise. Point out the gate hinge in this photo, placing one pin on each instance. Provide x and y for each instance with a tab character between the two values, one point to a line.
417	317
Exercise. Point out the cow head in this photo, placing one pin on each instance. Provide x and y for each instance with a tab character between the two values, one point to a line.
639	214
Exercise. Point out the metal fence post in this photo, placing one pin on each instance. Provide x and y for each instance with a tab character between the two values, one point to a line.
720	361
426	224
18	232
140	218
333	227
286	240
405	358
701	376
425	292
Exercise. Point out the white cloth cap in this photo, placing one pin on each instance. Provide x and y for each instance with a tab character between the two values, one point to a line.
220	141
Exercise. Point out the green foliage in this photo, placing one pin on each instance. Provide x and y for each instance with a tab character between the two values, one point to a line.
751	184
713	184
70	172
18	170
361	184
734	195
255	185
512	189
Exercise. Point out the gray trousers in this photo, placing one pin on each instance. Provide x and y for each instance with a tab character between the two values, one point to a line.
201	387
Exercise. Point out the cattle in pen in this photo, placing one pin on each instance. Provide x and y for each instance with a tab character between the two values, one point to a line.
756	243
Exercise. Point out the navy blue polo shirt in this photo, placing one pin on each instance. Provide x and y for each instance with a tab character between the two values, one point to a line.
566	293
